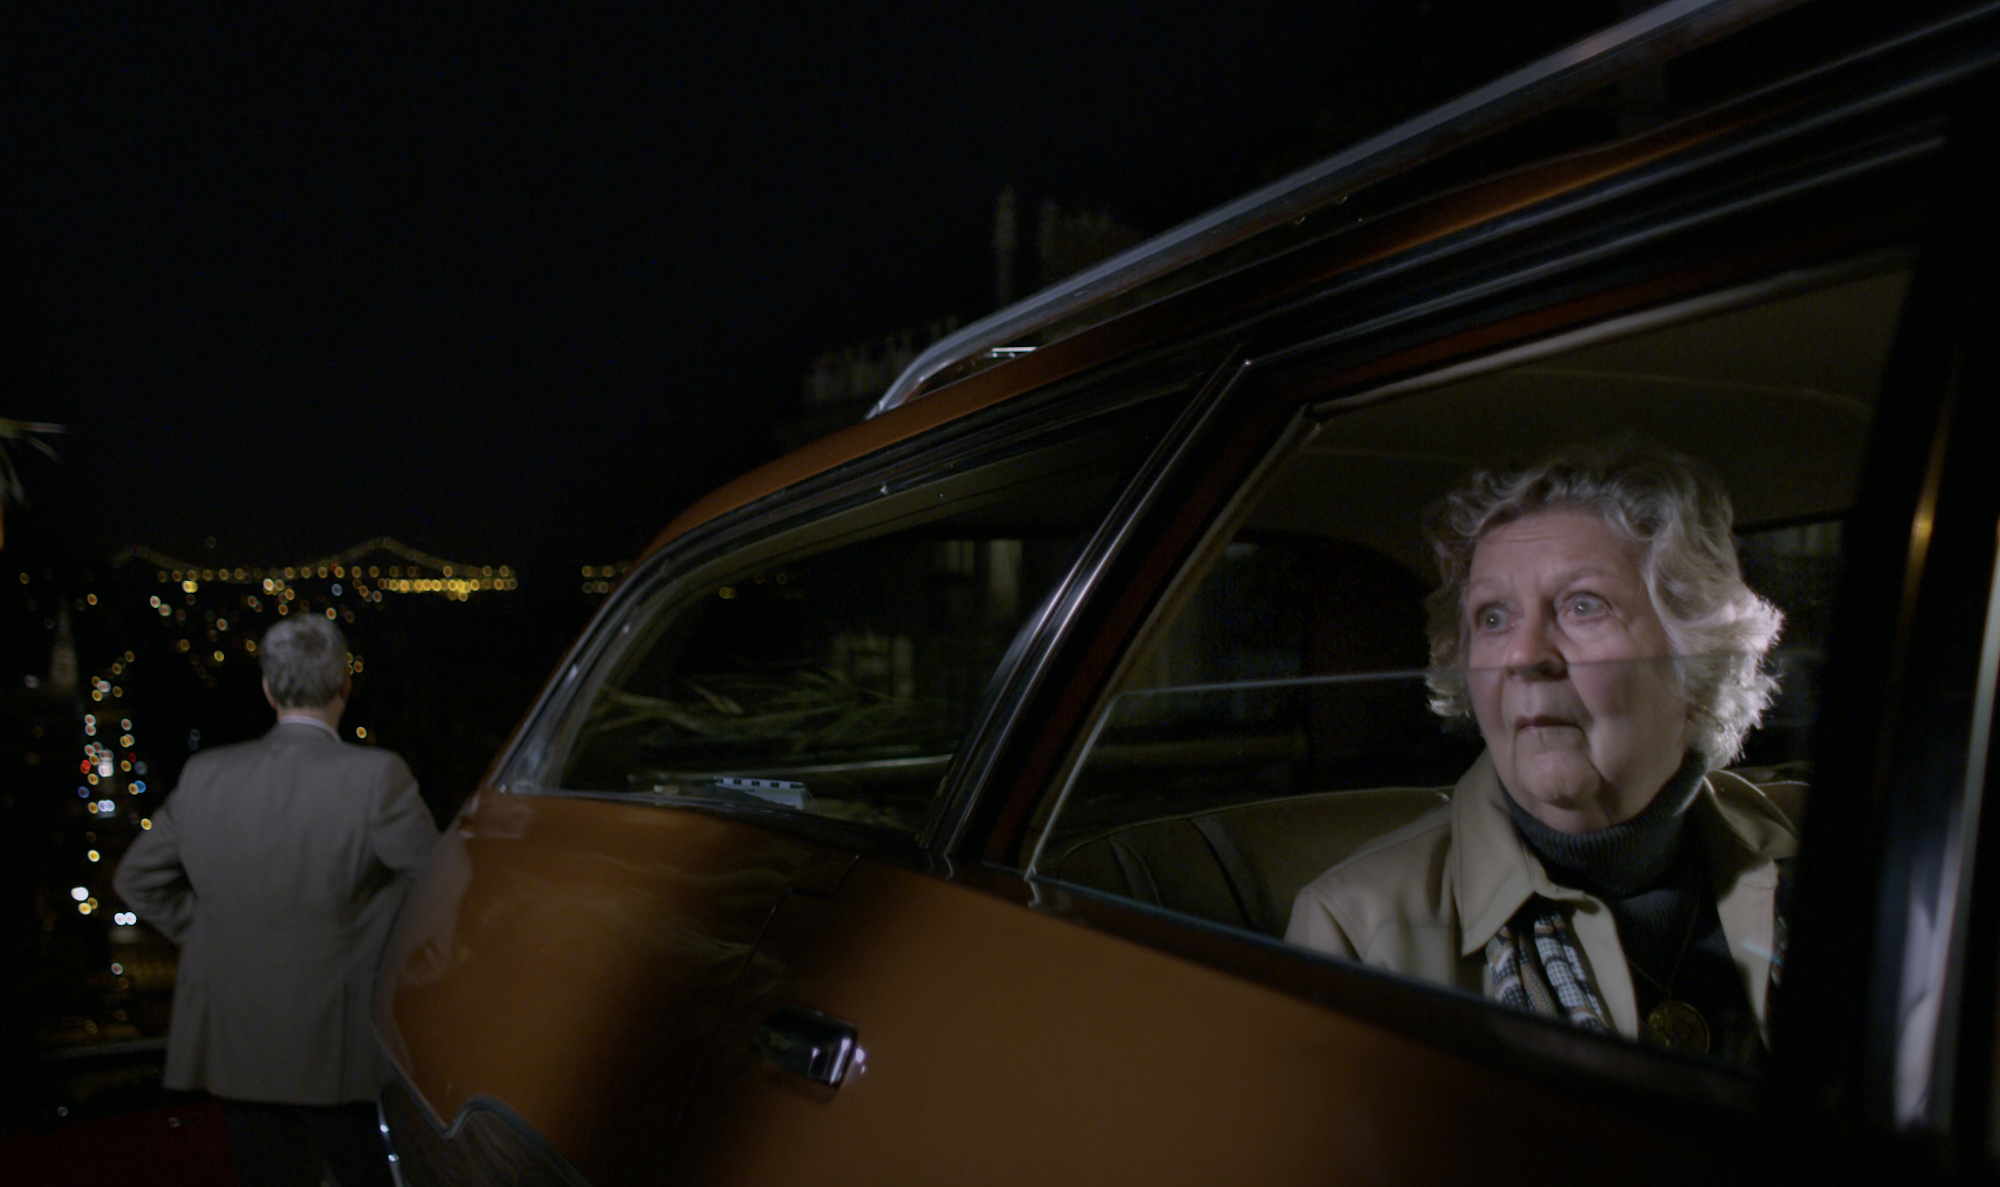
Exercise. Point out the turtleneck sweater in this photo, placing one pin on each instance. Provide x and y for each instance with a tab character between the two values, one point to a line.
1653	875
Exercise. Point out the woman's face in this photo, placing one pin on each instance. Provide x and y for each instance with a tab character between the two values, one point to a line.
1570	671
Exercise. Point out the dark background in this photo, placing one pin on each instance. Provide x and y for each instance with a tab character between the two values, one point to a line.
515	291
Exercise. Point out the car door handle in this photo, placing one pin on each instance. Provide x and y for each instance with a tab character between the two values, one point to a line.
806	1043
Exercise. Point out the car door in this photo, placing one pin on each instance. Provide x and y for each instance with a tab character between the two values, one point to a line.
756	706
979	765
1036	1000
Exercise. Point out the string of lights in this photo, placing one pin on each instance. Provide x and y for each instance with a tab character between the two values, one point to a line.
415	572
221	610
600	578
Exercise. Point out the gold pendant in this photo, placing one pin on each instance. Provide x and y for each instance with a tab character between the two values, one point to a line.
1678	1026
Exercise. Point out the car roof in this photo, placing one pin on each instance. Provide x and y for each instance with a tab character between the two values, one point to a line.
1175	281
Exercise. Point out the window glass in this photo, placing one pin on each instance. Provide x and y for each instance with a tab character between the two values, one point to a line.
836	676
1274	723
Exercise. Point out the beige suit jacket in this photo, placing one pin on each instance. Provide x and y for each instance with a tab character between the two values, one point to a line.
278	866
1425	899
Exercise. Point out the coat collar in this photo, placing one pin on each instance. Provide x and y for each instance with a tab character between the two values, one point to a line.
302	726
1494	873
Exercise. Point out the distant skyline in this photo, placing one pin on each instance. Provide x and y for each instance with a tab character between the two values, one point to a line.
513	291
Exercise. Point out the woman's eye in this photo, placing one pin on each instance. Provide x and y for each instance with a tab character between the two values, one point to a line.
1586	606
1490	619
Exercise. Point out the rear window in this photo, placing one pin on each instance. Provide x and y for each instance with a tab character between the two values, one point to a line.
1275	721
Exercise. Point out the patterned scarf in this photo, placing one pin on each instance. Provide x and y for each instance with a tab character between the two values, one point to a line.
1546	975
1549	977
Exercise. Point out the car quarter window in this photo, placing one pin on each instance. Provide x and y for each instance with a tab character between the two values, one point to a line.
831	669
1273	721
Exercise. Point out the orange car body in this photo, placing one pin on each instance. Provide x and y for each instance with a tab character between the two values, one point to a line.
582	983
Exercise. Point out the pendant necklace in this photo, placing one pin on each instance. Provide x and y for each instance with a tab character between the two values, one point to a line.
1675	1025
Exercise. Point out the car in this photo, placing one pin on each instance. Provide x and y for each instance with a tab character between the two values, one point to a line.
928	805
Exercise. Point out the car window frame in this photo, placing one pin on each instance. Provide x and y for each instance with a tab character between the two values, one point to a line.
1932	510
1447	1017
1283	370
1229	517
859	500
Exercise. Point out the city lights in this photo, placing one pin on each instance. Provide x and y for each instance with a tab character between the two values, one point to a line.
418	572
604	577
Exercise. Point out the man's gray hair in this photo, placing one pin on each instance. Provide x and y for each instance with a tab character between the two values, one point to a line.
1677	510
305	662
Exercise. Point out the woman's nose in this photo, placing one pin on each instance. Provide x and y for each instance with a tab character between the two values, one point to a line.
1532	651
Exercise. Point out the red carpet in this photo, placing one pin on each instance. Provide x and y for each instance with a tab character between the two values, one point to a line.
184	1146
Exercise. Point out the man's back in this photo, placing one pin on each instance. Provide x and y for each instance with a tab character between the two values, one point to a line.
278	866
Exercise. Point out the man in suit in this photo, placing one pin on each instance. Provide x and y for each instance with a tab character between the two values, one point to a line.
278	865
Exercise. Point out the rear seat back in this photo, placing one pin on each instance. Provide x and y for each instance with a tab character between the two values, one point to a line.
1240	865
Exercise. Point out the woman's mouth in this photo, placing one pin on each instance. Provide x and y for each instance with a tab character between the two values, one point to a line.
1543	722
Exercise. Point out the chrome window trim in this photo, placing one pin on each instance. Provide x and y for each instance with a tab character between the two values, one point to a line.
533	1144
1654	35
1963	58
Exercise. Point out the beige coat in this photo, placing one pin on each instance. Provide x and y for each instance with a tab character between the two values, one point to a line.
1425	899
278	866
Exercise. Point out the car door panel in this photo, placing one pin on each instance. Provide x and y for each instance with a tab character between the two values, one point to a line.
565	959
998	1044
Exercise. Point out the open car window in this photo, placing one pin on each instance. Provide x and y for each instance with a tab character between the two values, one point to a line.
1273	720
834	674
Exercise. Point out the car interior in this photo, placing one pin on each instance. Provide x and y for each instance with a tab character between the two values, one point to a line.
1274	719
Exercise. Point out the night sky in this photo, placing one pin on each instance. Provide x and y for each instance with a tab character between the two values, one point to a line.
514	291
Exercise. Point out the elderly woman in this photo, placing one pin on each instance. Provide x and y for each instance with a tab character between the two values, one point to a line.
1594	864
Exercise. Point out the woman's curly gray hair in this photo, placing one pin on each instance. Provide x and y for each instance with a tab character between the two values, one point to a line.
1677	510
305	662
